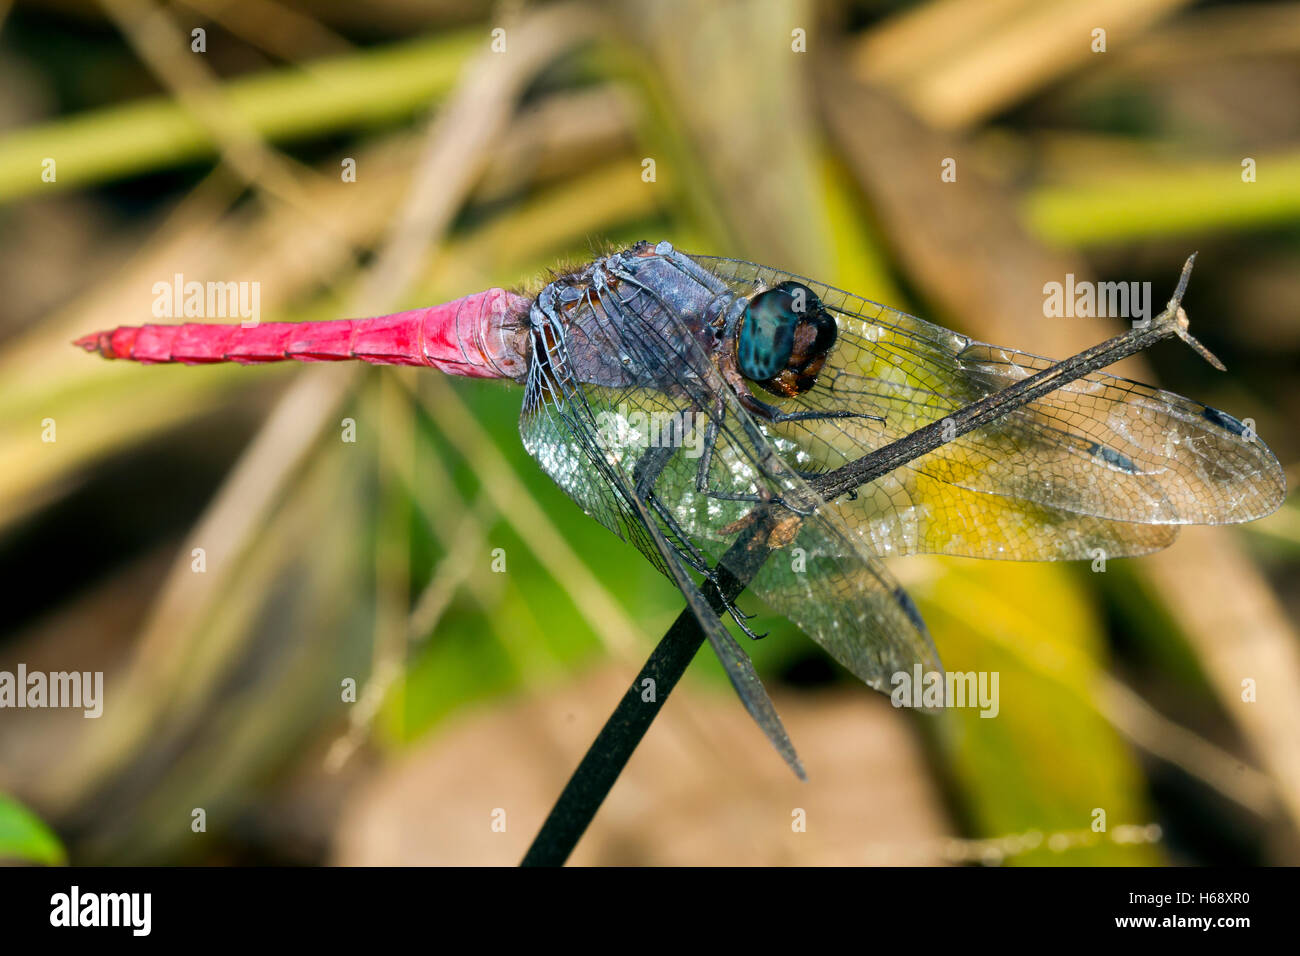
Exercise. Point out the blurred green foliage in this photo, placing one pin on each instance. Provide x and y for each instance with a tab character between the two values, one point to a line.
24	838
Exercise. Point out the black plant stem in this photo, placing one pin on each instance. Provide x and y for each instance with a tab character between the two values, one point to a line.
614	745
622	733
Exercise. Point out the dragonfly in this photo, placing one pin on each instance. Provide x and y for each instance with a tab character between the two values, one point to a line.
689	403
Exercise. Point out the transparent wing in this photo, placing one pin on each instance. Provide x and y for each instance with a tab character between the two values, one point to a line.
1092	465
909	511
685	502
557	429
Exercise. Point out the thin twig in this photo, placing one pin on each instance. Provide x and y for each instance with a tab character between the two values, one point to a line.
615	743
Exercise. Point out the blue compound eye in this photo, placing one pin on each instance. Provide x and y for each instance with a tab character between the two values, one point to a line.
784	339
767	334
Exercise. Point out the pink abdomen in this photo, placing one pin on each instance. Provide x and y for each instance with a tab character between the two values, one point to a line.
482	335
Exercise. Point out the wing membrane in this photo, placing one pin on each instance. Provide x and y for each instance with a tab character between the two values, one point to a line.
1101	464
1087	466
832	587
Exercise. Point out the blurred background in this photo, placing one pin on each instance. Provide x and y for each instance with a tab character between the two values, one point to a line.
490	143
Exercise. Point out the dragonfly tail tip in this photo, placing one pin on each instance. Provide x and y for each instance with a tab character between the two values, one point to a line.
94	342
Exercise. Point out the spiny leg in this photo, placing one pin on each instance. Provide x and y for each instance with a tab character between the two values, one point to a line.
706	463
770	413
645	473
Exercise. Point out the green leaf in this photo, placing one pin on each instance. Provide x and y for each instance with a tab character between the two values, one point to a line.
1049	760
24	838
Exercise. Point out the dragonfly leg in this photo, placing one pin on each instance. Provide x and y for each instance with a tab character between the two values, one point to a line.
645	474
706	462
822	416
702	479
698	563
691	554
771	413
648	469
740	617
706	457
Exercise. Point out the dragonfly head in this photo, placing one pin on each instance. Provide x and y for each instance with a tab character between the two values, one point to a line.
785	336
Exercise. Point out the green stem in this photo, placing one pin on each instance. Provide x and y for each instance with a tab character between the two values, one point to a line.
1171	199
368	87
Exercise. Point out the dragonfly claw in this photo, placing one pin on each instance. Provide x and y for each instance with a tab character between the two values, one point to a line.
740	617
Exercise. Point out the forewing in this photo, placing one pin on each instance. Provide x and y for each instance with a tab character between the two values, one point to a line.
910	512
1082	468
